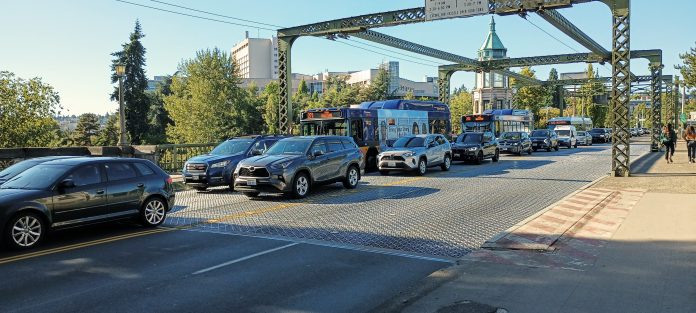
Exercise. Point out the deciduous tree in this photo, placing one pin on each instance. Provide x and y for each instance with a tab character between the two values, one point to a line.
86	130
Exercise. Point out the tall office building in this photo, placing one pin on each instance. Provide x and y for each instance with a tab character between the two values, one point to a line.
257	57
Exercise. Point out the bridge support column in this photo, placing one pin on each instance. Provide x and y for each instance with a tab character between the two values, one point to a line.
656	95
560	101
620	87
443	84
285	84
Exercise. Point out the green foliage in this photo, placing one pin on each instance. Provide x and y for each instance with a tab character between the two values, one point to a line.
378	88
688	69
157	117
270	100
409	95
108	136
86	131
460	104
531	98
27	108
547	113
136	102
207	104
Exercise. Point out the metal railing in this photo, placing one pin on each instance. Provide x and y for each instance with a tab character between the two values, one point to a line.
171	158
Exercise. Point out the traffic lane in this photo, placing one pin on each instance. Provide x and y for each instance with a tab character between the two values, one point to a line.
156	273
65	238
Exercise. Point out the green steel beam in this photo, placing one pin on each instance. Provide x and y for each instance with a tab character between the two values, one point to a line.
559	21
541	60
357	23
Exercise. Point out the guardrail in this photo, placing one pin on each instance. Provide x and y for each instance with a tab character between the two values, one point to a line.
170	157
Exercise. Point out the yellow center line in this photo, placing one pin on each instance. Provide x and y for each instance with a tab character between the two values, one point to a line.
82	245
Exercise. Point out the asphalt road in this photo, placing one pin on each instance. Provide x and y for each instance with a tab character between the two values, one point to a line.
336	251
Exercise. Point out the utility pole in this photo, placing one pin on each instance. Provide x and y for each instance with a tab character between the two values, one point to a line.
120	72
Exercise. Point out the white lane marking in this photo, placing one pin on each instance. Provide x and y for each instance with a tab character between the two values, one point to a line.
245	258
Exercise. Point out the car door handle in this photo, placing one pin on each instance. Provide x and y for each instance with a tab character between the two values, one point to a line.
140	185
100	191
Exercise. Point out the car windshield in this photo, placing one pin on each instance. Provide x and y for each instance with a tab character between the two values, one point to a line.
511	136
15	169
539	133
233	146
409	142
38	177
597	130
581	133
469	138
563	133
290	146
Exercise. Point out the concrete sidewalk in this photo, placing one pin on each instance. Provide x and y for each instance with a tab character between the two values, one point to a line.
620	245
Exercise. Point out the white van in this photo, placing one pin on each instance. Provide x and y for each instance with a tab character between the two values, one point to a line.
567	136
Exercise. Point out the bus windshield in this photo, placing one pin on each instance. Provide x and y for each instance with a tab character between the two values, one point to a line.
325	127
477	126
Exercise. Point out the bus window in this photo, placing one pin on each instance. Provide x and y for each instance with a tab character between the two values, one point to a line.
334	128
310	128
356	130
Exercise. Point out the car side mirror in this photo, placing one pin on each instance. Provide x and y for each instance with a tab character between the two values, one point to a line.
432	144
317	153
256	152
66	184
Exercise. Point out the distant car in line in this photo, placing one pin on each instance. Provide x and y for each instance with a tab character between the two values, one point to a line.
216	168
78	191
600	135
567	136
515	142
584	138
294	165
416	153
18	168
476	147
544	139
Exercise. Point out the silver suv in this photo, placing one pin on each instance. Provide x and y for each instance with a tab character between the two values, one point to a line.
416	153
293	165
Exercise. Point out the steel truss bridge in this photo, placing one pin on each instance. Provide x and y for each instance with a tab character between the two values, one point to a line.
619	56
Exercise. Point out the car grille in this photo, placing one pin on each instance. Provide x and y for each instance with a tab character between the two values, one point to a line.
253	172
393	158
196	167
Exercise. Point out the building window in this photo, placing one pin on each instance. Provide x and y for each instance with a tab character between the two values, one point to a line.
486	80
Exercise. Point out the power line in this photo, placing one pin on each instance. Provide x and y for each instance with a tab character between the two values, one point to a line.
194	16
214	14
265	28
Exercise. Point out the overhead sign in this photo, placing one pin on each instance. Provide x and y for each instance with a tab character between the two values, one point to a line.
441	9
682	118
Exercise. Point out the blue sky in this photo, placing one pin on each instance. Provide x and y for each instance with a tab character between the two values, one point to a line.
68	43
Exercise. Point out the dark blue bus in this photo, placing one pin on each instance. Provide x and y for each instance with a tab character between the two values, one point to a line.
499	121
377	124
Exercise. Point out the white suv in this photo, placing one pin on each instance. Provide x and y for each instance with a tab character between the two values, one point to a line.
416	153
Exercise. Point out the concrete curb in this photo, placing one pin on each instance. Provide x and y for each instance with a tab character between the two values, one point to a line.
415	292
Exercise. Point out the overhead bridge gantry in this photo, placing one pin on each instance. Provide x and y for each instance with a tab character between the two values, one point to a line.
620	55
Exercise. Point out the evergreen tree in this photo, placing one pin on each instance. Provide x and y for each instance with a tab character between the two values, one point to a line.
379	87
551	97
136	102
108	136
86	130
157	117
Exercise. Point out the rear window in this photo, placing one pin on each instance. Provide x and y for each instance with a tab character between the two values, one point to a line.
144	169
119	171
335	145
348	144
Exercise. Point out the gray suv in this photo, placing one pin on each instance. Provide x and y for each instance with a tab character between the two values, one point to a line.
416	153
293	165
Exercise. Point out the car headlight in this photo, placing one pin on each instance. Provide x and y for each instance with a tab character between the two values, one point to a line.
407	154
546	141
601	136
281	165
473	149
515	143
220	164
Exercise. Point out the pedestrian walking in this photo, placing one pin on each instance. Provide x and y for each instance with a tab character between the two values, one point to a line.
690	137
669	138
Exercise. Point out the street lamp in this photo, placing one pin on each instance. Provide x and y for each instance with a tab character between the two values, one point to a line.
120	72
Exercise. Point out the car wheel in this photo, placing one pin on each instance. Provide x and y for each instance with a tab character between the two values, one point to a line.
153	212
556	148
384	172
447	163
422	166
251	194
535	149
529	152
576	145
479	157
300	186
496	156
352	177
24	231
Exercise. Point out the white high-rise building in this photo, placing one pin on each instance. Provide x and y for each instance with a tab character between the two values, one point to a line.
257	57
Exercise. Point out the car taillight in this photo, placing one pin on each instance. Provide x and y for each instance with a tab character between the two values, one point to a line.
169	180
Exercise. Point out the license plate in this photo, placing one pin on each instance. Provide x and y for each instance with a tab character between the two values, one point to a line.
391	164
197	177
456	155
251	182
